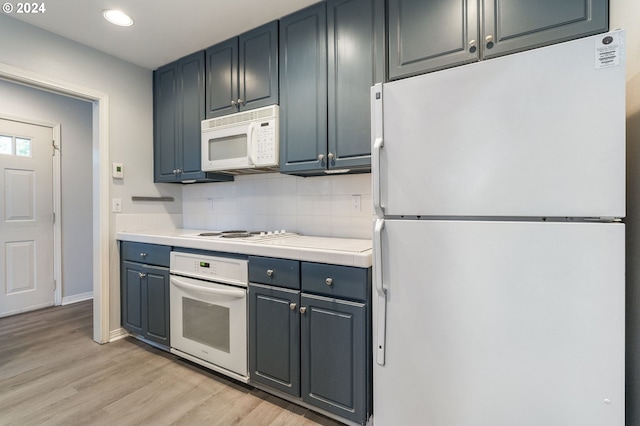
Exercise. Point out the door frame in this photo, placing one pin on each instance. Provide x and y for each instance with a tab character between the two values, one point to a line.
57	225
101	213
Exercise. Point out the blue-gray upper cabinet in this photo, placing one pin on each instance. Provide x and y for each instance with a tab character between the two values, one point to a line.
242	72
178	109
303	90
331	53
428	36
355	30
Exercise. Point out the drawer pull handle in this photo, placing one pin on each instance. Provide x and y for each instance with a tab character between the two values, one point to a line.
269	272
329	281
303	310
141	275
292	306
143	254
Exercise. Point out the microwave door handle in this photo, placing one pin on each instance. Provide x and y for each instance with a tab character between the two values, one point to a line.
250	145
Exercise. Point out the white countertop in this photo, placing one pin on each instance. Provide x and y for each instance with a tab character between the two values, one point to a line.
337	251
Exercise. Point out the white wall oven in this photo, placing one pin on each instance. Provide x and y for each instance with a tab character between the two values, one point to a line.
208	306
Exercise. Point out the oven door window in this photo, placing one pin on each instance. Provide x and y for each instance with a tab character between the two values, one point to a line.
206	323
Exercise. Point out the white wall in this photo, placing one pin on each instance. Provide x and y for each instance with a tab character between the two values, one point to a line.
626	14
321	206
75	119
130	129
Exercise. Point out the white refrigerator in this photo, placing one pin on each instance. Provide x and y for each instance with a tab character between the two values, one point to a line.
499	245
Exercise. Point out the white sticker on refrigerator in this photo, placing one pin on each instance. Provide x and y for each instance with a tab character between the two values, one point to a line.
607	50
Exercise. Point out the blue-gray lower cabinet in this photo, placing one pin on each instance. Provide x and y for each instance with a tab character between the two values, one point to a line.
144	292
334	362
310	333
274	336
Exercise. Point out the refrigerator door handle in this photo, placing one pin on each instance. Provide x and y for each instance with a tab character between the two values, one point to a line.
381	292
377	132
377	146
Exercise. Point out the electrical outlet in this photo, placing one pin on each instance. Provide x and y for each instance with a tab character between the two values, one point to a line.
116	205
356	203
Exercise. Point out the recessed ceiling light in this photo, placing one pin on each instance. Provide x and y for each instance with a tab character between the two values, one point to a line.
117	17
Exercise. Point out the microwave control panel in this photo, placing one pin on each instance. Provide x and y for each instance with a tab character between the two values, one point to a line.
265	144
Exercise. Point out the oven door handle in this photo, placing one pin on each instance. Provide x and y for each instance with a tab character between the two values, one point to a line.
207	290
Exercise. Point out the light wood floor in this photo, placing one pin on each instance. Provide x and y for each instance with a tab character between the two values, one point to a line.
52	373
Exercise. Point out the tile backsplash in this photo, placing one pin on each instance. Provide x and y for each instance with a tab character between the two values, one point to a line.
334	206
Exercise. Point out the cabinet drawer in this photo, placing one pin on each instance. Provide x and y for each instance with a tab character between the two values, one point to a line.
335	281
150	254
277	272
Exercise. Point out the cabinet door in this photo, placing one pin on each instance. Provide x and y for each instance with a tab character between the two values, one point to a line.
334	360
430	35
355	63
191	113
131	297
222	78
258	67
156	305
515	25
165	126
303	90
274	338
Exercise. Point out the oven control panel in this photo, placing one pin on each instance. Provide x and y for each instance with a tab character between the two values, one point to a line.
210	268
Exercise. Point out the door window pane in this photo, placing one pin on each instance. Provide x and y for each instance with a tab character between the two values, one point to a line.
6	145
10	145
23	147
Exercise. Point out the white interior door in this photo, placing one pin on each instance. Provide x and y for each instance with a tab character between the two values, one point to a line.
502	323
26	217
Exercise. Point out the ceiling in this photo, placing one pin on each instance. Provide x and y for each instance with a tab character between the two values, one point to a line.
163	30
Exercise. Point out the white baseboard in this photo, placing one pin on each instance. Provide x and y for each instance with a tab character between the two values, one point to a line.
117	334
77	298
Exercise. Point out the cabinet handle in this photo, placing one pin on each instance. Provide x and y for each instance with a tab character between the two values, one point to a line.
141	275
240	102
330	156
292	306
233	103
269	272
489	40
179	171
143	255
321	157
303	310
329	281
472	46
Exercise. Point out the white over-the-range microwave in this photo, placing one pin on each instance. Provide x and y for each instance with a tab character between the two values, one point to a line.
244	142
